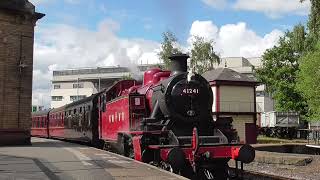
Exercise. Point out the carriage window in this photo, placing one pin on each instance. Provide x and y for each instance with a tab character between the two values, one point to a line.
40	123
80	109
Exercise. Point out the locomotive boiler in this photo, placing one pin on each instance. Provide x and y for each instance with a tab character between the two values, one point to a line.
166	121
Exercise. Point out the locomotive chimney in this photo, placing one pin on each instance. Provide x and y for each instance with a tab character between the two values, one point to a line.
179	63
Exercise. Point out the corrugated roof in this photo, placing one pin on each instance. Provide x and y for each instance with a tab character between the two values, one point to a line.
226	74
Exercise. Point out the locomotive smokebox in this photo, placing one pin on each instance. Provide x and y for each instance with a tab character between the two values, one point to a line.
179	63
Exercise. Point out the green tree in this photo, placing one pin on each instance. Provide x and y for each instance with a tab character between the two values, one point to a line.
313	25
298	38
279	73
127	77
202	55
309	82
168	48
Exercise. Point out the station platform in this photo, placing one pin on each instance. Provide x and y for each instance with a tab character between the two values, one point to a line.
48	159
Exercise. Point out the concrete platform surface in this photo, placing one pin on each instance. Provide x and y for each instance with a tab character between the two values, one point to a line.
48	159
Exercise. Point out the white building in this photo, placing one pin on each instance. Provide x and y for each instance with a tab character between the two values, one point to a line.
245	66
74	84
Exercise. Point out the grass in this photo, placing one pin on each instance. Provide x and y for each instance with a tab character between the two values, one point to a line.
271	140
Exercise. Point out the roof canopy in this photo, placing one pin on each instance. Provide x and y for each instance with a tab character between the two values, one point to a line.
228	76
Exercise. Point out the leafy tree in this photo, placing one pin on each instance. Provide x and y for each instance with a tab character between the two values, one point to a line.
298	37
127	77
309	82
279	73
168	48
202	55
313	25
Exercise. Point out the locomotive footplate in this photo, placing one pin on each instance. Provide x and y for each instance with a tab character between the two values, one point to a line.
201	159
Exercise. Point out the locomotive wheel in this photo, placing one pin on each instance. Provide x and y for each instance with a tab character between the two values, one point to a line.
125	146
128	148
120	145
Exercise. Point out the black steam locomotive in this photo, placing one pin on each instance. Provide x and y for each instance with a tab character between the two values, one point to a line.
166	120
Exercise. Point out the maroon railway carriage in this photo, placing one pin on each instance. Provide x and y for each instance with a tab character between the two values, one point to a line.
56	123
39	123
77	121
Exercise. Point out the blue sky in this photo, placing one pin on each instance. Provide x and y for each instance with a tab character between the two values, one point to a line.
91	33
149	18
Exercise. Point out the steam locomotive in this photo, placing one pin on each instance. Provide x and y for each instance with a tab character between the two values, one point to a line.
166	121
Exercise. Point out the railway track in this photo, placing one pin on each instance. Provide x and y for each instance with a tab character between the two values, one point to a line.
252	175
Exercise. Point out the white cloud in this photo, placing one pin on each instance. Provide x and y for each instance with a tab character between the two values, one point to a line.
215	3
205	29
274	8
63	46
235	39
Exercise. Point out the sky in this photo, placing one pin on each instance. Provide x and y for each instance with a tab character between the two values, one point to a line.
97	33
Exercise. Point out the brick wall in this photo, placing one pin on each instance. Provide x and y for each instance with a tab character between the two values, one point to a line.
239	122
16	47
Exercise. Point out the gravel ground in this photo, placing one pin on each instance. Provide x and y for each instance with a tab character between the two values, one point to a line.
310	171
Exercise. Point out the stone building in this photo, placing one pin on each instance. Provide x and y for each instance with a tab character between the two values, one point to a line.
17	21
234	96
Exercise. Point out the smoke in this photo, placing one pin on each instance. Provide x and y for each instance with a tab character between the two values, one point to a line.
125	61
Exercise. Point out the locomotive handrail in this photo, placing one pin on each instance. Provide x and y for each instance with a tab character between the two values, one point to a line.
189	137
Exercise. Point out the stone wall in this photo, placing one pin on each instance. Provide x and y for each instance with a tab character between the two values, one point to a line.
16	67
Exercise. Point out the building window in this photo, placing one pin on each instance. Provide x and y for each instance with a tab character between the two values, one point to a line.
260	93
76	98
56	86
78	85
56	98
